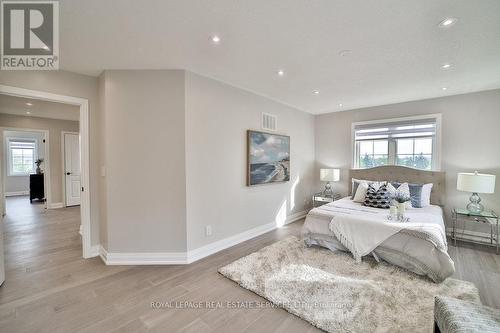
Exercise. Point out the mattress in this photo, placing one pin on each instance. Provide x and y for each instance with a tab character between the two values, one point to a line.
403	249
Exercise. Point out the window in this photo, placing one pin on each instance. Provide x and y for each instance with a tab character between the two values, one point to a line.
409	142
373	153
21	155
414	153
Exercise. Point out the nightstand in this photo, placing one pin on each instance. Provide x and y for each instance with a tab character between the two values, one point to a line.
485	217
319	199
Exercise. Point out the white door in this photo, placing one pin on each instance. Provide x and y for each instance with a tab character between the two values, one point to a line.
72	168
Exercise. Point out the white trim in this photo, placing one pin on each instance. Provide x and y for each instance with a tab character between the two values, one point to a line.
16	193
179	258
154	258
225	243
46	157
84	153
63	161
55	205
438	142
95	250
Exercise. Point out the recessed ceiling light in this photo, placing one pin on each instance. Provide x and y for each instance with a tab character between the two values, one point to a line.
216	39
447	22
27	112
341	105
281	72
444	88
315	92
445	66
29	104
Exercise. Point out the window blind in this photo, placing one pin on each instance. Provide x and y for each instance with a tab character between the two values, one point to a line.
21	144
397	129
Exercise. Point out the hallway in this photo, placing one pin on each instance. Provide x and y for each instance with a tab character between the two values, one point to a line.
37	243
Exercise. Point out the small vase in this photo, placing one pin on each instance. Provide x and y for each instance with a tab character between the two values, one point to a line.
401	209
38	170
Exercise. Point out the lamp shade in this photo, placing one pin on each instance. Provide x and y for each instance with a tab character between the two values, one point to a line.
476	182
329	175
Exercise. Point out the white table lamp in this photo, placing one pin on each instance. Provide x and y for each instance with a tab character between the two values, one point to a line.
475	183
329	175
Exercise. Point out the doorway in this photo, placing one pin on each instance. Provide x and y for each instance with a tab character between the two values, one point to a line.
82	104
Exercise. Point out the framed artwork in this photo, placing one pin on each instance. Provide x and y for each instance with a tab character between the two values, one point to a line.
268	158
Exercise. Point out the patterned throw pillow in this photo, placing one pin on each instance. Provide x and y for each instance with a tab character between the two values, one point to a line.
404	188
415	194
377	198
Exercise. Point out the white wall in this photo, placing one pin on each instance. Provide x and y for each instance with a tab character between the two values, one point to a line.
217	118
175	152
145	161
470	139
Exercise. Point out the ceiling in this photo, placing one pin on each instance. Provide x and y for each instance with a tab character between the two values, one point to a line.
17	106
396	47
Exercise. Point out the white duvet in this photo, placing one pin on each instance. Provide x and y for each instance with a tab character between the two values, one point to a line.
418	245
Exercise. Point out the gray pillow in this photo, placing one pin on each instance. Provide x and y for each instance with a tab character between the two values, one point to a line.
355	184
415	194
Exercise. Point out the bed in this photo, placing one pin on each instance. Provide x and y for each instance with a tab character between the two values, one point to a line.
417	251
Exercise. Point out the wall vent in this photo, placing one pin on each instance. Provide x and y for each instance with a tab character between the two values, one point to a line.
269	122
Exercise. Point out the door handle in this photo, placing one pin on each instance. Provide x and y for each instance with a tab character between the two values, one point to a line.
68	173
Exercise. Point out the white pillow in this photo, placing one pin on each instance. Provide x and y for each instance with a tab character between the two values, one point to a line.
361	192
425	198
391	190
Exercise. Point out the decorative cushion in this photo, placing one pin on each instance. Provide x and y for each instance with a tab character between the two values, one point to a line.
453	316
415	193
377	198
361	192
426	194
354	186
391	190
356	182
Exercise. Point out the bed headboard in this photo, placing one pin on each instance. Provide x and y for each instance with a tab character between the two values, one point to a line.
393	173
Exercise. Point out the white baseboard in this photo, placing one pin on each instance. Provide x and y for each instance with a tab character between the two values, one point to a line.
16	193
95	251
55	205
178	258
225	243
153	258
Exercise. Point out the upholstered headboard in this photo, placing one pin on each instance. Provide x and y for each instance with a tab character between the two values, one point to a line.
402	174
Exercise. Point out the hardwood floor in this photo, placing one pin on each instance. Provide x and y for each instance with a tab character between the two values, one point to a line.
50	288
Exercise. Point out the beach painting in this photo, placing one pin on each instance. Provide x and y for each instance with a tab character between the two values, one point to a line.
268	158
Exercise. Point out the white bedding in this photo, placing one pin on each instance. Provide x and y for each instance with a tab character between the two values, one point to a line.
421	252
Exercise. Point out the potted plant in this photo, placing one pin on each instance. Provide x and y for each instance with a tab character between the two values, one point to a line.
38	162
401	199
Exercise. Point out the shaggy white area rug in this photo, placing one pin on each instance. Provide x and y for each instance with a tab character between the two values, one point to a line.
332	292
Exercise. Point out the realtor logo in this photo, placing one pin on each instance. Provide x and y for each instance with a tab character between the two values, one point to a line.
30	35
